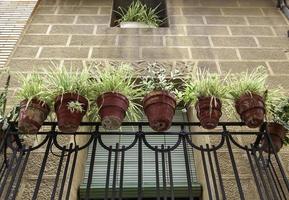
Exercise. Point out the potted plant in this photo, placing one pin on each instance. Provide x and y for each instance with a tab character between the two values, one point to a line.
70	91
160	100
278	114
35	103
116	93
247	91
138	15
207	92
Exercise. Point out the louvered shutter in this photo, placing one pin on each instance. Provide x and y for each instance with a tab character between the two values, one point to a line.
130	178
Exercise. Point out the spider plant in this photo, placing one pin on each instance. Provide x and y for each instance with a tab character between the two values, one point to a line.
33	87
248	83
61	80
117	79
139	12
205	84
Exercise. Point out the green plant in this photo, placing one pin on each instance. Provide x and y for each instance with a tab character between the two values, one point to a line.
75	106
204	84
158	78
60	80
33	87
118	79
138	12
248	83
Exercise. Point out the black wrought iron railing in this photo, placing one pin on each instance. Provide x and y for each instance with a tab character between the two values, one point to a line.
226	167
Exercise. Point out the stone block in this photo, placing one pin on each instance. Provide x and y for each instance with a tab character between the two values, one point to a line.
251	30
186	20
52	19
92	40
266	21
30	65
25	52
201	11
281	30
78	10
116	53
172	3
278	42
102	19
57	2
64	52
240	66
72	29
219	3
45	10
257	3
165	53
174	11
275	81
225	20
105	29
45	40
172	30
242	11
207	30
105	10
97	3
192	41
272	11
262	54
280	67
211	66
213	53
140	41
37	29
234	42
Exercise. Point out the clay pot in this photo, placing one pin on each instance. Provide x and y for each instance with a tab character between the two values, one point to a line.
251	108
68	122
32	116
277	133
159	107
112	109
209	112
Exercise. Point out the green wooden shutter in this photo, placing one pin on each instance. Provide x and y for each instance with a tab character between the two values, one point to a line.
130	166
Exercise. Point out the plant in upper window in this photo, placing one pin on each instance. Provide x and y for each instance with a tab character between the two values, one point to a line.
116	93
138	15
207	92
35	102
70	91
247	90
160	100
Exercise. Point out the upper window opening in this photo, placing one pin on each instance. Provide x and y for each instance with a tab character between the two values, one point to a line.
139	13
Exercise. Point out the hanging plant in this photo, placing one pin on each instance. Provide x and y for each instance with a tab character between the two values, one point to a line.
278	115
206	92
160	101
70	91
138	15
247	91
116	93
35	102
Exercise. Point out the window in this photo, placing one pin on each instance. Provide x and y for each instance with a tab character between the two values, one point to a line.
130	178
162	10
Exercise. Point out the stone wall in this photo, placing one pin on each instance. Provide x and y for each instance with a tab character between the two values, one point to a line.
221	35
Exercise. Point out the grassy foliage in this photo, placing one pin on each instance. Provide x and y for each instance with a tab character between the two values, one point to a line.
248	83
59	80
33	86
118	79
138	12
204	84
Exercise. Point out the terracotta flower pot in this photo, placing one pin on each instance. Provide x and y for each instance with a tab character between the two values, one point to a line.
251	108
159	107
32	116
68	122
277	133
112	109
209	112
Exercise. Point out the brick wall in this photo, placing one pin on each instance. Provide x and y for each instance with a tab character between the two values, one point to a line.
222	35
